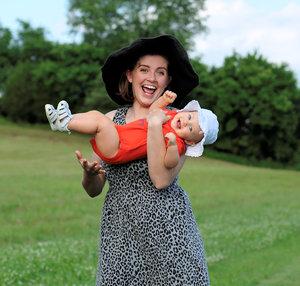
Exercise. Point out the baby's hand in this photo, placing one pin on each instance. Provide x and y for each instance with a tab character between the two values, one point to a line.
169	96
171	138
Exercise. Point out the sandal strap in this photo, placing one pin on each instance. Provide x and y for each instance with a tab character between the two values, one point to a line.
64	115
51	114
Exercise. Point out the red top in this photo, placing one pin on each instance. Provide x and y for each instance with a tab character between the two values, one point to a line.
133	140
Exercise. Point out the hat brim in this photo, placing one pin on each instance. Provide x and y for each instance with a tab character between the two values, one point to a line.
184	79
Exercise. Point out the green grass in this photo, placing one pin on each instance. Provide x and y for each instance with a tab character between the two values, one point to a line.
295	165
248	216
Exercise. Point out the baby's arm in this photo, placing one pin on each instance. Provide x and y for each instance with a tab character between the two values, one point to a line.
172	156
167	98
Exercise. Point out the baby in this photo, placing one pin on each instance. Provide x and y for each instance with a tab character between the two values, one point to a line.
185	132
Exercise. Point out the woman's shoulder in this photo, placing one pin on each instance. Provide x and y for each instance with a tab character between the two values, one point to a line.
118	115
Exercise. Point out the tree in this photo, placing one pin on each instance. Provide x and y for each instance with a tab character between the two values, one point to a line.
19	101
9	54
32	42
42	72
69	72
112	24
255	104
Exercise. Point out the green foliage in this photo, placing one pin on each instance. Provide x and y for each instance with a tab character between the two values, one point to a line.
45	73
98	99
297	105
9	55
32	43
71	73
255	104
204	92
112	24
20	101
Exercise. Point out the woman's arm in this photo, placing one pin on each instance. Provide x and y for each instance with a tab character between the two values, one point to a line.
93	179
161	176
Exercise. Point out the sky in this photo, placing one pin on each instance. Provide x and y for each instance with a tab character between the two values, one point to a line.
270	27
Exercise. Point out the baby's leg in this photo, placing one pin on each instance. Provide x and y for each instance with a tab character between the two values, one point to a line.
167	98
95	122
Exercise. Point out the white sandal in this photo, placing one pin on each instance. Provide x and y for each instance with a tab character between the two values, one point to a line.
51	114
64	116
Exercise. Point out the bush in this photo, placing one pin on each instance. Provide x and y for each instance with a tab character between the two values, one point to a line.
70	72
20	98
255	104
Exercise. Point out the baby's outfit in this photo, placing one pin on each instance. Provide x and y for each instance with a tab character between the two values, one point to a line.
133	140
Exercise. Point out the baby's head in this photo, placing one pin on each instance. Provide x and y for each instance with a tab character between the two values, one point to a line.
196	126
187	127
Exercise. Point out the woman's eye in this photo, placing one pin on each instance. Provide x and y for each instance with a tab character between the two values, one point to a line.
161	73
143	70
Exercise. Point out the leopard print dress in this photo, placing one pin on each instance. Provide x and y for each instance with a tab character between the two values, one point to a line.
148	237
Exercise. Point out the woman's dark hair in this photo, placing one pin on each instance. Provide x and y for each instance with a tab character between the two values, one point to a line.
125	88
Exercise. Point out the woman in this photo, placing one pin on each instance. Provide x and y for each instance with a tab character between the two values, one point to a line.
148	234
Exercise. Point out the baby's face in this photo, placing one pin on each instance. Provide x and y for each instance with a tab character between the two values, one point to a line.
186	126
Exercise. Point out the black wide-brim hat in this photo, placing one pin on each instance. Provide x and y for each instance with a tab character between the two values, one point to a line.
183	81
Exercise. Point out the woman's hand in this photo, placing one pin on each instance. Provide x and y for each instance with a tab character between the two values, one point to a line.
157	117
91	168
93	175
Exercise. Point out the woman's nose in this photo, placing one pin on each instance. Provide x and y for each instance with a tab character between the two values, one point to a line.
151	76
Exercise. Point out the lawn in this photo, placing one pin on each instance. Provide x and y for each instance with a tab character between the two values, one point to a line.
248	216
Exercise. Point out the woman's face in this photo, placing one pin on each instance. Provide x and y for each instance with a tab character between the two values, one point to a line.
149	79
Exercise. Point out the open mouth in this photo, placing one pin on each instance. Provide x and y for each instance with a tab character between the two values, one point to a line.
178	123
150	89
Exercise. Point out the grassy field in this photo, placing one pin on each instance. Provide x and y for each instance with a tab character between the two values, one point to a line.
248	216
